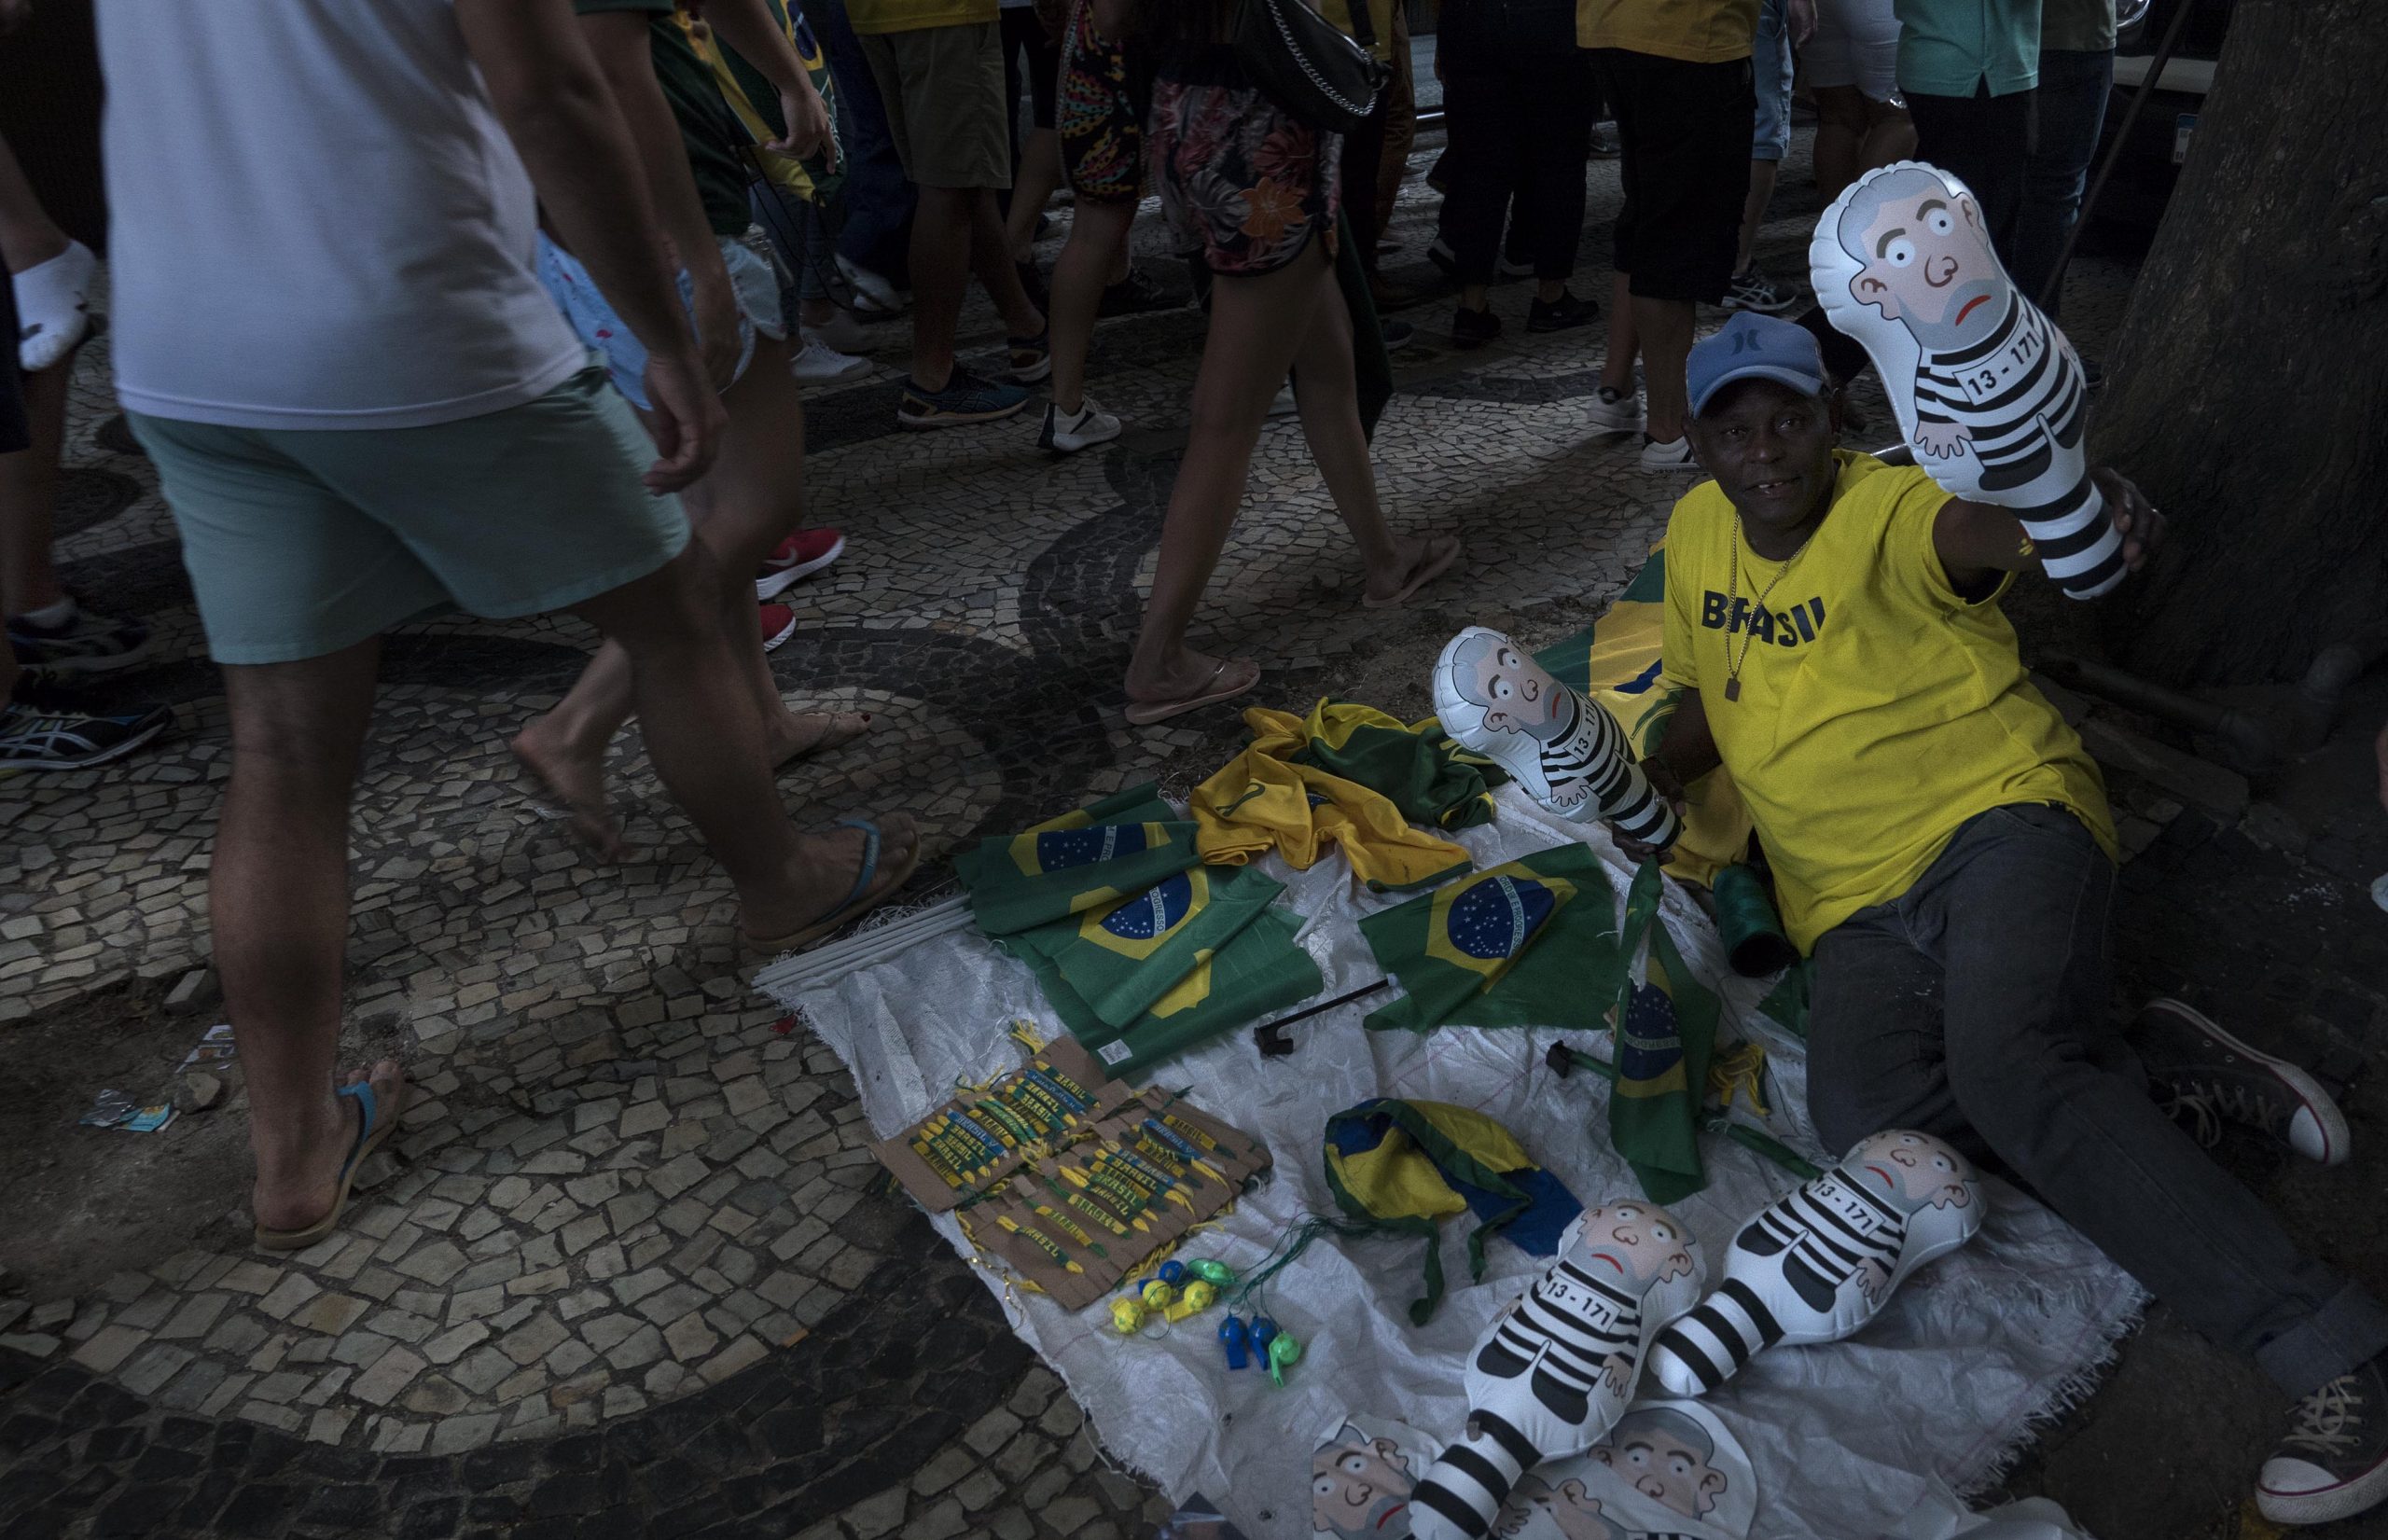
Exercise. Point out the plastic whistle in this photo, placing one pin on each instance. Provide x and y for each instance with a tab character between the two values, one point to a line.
1284	1352
1217	1274
1232	1338
1127	1317
1198	1297
1172	1273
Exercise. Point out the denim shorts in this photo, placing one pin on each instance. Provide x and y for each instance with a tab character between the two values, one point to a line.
304	542
604	333
1771	75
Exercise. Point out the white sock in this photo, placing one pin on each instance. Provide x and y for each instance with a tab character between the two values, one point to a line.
51	317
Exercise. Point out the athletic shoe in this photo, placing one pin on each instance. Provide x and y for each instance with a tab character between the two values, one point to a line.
1472	328
1668	454
779	624
966	398
2209	1077
819	364
1282	404
1755	291
873	294
841	331
2334	1462
39	737
82	643
1138	294
1398	334
1030	358
800	555
1605	143
1613	410
1565	313
1085	428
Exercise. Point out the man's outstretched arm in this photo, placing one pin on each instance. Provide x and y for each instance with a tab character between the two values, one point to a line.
548	89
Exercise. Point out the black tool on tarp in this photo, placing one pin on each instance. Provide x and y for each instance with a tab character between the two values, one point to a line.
1269	1036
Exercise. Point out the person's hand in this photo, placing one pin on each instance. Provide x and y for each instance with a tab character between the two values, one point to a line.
2136	518
1668	785
685	415
807	135
720	330
1801	15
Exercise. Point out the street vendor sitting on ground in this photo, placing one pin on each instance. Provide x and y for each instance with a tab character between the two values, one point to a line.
1941	846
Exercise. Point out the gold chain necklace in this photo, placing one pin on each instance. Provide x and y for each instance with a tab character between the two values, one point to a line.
1732	598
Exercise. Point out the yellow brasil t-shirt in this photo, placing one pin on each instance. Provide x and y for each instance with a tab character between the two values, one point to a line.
1878	710
1699	32
871	15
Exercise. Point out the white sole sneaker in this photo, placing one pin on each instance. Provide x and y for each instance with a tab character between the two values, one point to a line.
1622	415
1669	454
819	364
2317	1129
772	584
842	332
1090	426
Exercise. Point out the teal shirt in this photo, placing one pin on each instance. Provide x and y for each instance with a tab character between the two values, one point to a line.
1948	47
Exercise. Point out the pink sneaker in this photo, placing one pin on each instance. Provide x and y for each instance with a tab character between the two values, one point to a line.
800	555
779	624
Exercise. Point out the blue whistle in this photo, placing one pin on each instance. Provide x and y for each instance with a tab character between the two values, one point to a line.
1263	1329
1232	1338
1172	1273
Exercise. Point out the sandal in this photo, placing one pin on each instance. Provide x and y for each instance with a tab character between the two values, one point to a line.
372	1130
832	737
1144	714
860	899
1442	552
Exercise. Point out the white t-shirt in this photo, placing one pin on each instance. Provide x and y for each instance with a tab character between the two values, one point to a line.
318	220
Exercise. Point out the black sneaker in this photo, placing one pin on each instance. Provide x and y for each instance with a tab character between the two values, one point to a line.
83	643
1472	328
966	398
38	738
1138	294
1565	313
2208	1077
2334	1462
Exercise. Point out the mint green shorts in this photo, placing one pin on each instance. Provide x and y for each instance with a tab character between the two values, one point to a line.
301	543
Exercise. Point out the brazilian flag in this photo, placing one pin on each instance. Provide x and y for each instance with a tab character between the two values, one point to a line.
1666	1032
756	102
1260	971
1403	1167
1021	881
1117	961
1532	943
1414	766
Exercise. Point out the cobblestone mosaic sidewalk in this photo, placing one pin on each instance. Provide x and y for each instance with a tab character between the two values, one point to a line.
628	1271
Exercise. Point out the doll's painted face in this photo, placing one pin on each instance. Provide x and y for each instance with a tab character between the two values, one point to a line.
1914	1170
1642	1242
1356	1484
1925	260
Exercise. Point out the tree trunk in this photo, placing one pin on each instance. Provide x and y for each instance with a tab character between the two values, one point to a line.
2250	393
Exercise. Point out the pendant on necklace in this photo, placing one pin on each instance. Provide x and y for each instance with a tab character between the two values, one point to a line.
1733	687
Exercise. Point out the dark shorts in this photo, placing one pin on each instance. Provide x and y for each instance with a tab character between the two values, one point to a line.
14	432
1102	127
1023	34
1242	181
1685	130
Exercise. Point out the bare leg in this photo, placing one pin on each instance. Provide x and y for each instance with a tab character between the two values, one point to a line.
1098	238
749	502
1256	327
1840	125
1762	175
991	260
1664	327
278	901
707	744
28	236
1624	338
1328	393
941	260
29	493
1040	174
1890	135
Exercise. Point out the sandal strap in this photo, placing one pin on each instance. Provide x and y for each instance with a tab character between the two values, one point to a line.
862	879
370	1115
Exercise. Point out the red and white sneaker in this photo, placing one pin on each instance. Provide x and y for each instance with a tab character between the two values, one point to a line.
779	624
800	555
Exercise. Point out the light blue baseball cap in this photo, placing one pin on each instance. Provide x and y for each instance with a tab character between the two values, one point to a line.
1753	347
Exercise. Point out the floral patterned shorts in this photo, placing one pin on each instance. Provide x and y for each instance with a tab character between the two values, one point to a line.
1240	180
1102	134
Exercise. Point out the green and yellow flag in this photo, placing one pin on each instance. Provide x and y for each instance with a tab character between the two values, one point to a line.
1414	766
1666	1032
1021	881
1532	943
1260	971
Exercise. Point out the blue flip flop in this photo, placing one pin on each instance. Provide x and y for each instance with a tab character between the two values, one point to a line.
372	1130
856	902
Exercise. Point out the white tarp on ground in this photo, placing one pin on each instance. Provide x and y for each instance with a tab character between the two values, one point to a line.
1846	1438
